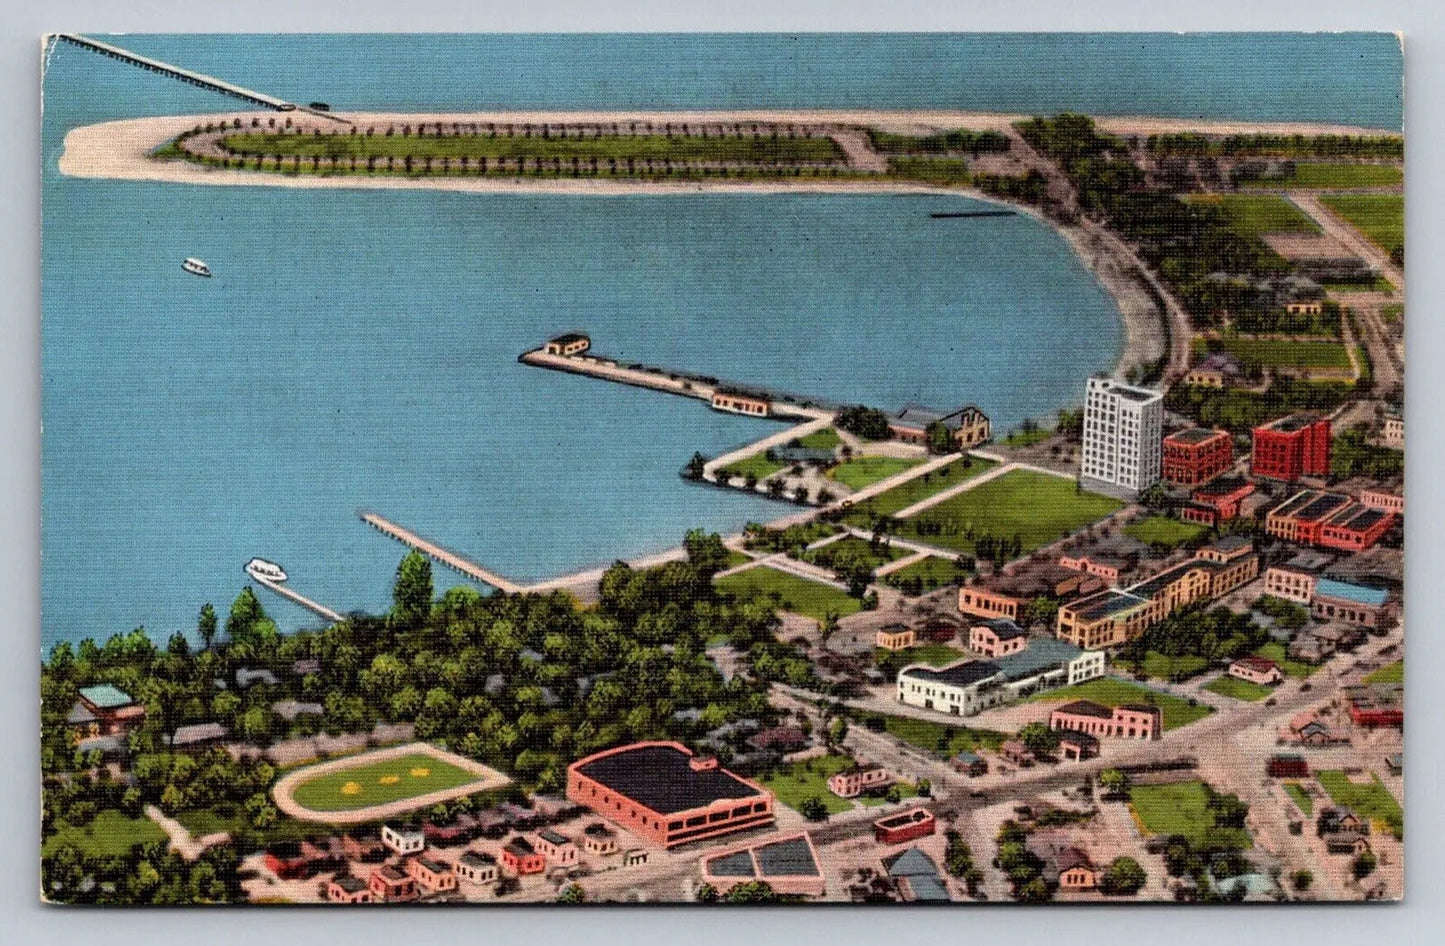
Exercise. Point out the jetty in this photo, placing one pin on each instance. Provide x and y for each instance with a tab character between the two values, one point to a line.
779	404
439	554
298	598
190	76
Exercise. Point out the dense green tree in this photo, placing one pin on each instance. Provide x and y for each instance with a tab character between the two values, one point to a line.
1124	877
813	808
206	626
705	552
412	592
246	613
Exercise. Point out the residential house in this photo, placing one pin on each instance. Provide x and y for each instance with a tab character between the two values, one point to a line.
895	637
432	876
556	847
345	888
1256	670
1218	370
1347	842
1068	866
402	841
520	857
857	779
970	764
391	884
1335	820
104	710
599	839
476	867
286	861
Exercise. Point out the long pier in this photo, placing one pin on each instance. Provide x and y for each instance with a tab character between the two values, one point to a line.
298	598
438	554
176	72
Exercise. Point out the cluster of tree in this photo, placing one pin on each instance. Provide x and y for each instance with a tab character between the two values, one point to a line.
1186	243
851	563
1214	635
944	171
1284	614
867	422
958	861
915	584
1039	739
1023	868
754	891
1313	146
1240	411
1124	877
1276	319
791	539
1351	454
998	550
146	874
1030	188
960	141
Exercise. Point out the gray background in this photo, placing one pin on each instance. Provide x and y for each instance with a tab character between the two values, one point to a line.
24	920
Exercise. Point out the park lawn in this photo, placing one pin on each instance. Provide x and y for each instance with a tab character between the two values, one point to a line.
1390	673
1331	176
758	465
919	488
1300	797
1026	438
825	439
1253	214
935	571
799	595
1372	801
865	471
1278	353
1239	689
935	655
1275	651
1166	667
1180	808
1037	507
800	781
1381	217
1164	531
1111	691
941	739
110	834
881	555
736	558
745	150
378	783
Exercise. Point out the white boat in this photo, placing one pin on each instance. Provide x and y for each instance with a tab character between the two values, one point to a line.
263	570
196	267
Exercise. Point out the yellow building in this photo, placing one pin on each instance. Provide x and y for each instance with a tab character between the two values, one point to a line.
896	637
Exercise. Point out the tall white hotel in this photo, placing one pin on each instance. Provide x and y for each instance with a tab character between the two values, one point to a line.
1123	438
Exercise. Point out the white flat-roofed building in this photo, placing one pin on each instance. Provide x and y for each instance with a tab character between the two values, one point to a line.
1123	437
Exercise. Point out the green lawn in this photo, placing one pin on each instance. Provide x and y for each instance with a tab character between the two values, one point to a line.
377	783
1164	530
1336	176
1381	217
1111	691
1271	352
1180	808
1390	673
865	471
1027	438
736	558
933	571
1037	507
799	595
935	655
906	790
802	780
1166	667
1301	798
1253	214
1239	689
1372	800
110	834
942	739
757	465
1275	651
825	439
920	487
678	147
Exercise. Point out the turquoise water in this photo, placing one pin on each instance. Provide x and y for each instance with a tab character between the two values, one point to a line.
359	350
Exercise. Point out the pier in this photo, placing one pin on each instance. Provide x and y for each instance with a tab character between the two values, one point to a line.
189	76
438	554
297	598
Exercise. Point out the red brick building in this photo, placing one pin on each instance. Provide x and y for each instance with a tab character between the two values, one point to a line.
1329	520
904	826
1217	502
1119	722
520	857
390	884
1196	456
661	791
1292	447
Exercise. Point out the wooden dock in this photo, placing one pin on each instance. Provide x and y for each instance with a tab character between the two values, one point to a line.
298	598
438	554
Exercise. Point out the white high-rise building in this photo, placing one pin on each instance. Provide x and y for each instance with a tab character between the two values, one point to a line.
1123	438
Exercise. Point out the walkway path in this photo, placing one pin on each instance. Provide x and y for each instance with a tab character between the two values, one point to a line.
710	468
182	841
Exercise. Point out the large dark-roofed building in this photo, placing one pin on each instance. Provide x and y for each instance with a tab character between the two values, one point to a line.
660	790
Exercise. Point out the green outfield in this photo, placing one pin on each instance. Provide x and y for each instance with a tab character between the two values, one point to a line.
378	783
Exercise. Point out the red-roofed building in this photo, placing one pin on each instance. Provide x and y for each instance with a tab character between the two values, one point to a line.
904	826
1256	670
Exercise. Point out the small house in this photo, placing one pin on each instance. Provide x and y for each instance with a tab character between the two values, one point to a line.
635	857
567	344
432	876
476	867
391	884
1077	746
520	857
599	839
1017	753
905	826
1258	670
970	764
895	637
345	888
556	847
852	782
402	841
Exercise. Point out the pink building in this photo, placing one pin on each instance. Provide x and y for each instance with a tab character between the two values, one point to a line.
1119	722
850	783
